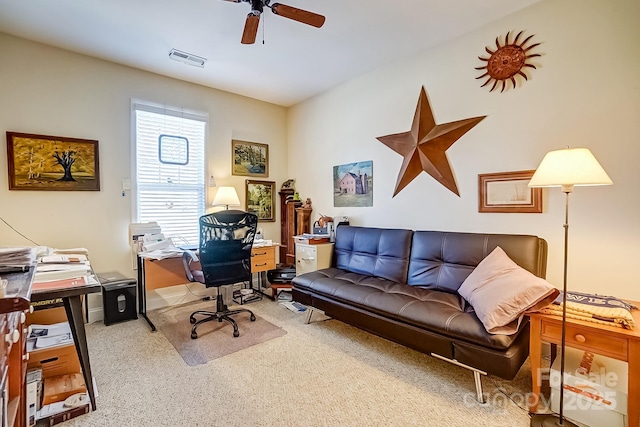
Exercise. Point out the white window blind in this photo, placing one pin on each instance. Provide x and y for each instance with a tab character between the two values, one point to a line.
168	191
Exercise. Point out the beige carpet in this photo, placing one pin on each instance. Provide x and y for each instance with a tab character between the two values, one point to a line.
325	374
215	339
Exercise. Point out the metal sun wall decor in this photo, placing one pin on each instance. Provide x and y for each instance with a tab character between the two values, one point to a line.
423	147
507	61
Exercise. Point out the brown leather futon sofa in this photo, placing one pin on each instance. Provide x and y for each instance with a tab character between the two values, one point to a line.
402	285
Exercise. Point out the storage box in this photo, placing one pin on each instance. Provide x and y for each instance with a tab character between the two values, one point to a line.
57	413
55	360
47	316
33	394
595	389
59	387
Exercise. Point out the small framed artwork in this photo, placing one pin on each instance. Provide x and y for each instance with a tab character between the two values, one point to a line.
261	199
41	162
508	192
353	184
249	158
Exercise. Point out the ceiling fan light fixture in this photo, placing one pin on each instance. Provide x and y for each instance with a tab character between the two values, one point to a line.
187	58
257	8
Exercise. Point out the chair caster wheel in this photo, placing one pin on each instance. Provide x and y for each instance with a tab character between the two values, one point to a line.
194	335
192	320
253	317
236	334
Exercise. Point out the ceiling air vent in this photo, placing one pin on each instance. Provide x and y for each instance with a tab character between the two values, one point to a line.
187	58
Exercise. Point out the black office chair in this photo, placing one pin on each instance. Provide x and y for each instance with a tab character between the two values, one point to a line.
226	238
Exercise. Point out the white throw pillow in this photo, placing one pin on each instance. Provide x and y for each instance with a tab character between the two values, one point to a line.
500	292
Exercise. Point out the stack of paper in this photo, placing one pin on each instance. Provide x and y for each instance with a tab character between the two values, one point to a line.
50	272
22	256
62	259
45	336
71	251
65	268
138	229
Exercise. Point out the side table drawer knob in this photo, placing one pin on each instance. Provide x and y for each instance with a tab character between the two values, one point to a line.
12	337
580	338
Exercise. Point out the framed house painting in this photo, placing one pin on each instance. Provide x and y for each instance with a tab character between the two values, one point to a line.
261	199
508	192
353	184
41	162
249	158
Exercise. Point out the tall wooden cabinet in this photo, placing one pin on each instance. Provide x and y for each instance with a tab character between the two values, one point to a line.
13	357
287	226
294	220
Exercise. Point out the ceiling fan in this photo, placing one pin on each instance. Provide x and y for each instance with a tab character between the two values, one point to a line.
257	6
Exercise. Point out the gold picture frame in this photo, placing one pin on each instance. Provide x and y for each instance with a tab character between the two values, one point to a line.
261	199
249	158
507	192
53	163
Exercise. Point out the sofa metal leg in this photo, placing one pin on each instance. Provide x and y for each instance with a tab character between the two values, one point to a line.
478	381
476	374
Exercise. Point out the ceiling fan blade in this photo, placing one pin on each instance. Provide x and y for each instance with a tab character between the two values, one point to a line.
299	15
250	29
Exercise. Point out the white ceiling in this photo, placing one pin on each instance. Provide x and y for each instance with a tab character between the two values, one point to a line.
295	62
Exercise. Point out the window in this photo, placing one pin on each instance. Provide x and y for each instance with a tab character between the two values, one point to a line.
169	170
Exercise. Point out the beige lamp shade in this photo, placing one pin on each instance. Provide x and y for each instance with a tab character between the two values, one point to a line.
567	168
226	196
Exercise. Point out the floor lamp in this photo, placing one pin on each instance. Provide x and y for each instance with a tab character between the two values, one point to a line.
226	196
565	168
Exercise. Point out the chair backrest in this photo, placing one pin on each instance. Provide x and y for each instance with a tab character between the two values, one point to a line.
226	238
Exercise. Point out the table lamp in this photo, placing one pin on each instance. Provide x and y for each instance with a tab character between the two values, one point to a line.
226	196
565	168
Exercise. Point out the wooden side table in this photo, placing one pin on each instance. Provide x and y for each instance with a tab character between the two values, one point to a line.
610	341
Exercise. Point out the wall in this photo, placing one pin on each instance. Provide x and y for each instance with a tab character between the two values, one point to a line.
584	92
49	91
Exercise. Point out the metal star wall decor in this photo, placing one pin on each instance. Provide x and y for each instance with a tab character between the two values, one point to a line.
424	146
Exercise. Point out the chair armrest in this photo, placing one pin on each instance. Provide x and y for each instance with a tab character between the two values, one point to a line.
187	258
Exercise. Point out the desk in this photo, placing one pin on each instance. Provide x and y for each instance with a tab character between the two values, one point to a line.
155	274
610	341
73	308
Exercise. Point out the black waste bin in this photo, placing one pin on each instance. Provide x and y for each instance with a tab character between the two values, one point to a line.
118	298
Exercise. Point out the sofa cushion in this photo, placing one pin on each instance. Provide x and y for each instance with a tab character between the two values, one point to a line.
500	292
443	260
440	312
374	251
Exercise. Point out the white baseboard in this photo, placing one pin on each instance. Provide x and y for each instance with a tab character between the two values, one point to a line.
159	298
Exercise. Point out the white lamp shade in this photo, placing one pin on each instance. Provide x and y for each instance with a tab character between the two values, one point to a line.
569	167
226	196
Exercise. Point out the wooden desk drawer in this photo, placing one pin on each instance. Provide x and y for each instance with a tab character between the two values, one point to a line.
586	339
263	259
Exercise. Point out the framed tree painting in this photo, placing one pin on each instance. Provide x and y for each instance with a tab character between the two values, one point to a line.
261	199
249	158
41	162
